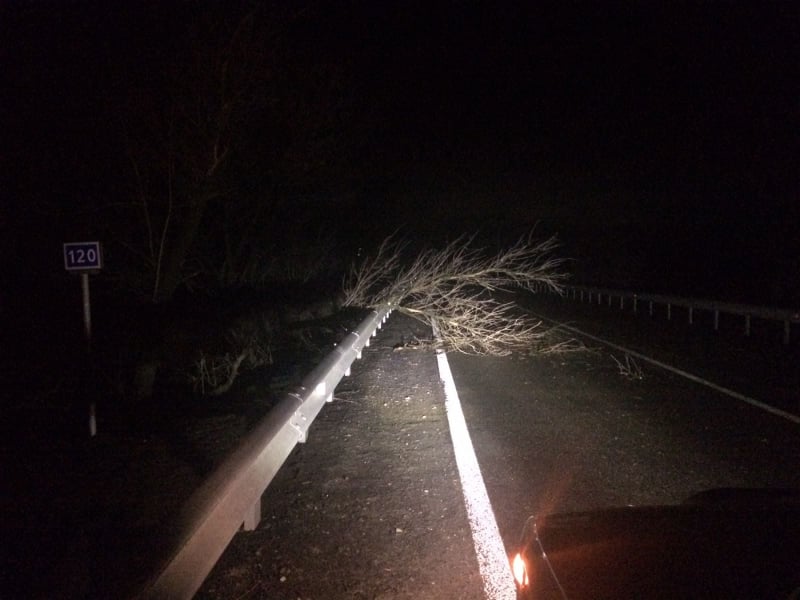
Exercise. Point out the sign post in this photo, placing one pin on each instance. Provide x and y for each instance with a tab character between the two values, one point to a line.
85	258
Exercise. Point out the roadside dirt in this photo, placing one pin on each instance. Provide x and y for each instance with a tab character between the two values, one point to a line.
371	505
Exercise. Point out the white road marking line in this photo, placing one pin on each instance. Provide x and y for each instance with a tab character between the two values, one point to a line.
732	393
498	581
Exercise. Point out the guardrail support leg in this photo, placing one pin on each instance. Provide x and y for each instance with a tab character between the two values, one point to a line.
252	517
602	296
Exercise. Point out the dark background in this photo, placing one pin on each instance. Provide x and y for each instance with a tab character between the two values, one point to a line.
659	141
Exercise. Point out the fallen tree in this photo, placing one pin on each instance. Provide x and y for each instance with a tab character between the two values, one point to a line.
459	290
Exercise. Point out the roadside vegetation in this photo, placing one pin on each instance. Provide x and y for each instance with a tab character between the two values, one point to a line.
216	159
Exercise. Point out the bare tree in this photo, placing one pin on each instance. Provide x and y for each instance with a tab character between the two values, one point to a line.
218	143
181	137
458	290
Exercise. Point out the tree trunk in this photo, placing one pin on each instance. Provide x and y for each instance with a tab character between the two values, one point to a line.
178	248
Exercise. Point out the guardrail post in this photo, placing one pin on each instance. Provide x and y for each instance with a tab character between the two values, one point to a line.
252	517
691	304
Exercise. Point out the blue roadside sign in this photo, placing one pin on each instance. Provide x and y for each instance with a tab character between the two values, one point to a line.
83	256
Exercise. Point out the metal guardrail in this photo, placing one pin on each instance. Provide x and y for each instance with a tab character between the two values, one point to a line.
746	311
231	496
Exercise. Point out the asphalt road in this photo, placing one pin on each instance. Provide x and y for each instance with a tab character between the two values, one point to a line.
565	432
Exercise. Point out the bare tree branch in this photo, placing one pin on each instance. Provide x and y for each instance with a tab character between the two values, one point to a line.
457	287
365	283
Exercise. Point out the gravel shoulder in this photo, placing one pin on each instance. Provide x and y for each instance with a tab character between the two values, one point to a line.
370	506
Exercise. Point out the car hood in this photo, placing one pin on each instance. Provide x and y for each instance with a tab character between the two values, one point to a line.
698	550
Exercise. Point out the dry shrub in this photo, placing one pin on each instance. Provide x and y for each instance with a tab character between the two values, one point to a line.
248	346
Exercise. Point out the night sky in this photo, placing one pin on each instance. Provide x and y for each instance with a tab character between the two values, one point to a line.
660	141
